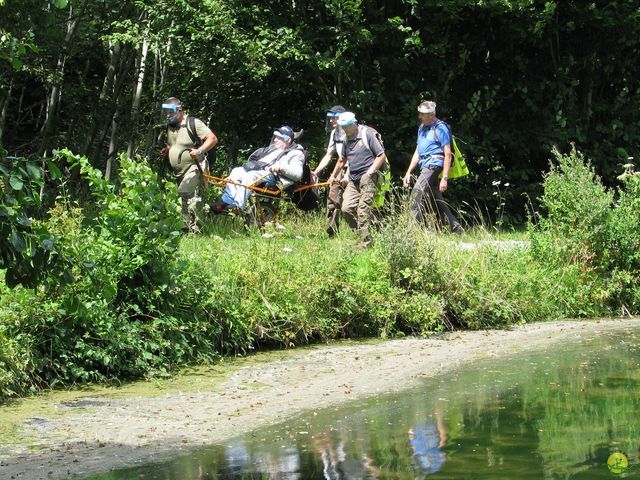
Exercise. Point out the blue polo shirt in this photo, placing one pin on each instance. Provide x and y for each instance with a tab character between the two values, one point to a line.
426	449
431	141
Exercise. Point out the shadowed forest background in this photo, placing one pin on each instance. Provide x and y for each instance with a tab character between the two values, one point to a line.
514	78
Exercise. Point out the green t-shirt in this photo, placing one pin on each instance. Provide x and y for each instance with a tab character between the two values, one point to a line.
178	139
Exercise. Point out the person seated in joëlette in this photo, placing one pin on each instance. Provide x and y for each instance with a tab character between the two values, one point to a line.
278	165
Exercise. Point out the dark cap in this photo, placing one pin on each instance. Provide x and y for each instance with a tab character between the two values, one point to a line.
335	111
285	132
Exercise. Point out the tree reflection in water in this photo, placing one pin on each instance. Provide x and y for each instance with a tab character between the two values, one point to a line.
555	414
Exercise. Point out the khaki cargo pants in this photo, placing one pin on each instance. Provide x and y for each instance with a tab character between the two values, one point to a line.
188	186
356	205
334	204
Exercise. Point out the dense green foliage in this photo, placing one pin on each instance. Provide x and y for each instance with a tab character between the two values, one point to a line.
25	251
104	310
109	290
513	77
592	232
126	298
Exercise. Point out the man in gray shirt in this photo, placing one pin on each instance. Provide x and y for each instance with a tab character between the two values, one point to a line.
364	155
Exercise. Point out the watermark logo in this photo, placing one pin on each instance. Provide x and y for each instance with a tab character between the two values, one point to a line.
618	463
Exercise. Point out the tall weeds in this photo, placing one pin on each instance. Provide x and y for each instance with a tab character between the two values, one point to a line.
134	301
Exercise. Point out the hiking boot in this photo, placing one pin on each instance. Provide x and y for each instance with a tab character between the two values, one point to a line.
220	207
457	229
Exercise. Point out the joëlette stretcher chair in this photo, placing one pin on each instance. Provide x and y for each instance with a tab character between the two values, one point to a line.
265	202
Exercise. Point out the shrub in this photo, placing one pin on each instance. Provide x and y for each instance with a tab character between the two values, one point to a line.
13	374
25	251
576	213
592	231
114	306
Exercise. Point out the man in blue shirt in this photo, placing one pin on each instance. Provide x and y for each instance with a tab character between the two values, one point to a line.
433	155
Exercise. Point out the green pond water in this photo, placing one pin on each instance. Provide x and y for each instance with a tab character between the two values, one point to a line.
556	414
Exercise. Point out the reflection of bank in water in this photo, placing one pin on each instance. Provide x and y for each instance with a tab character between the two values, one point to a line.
336	464
240	458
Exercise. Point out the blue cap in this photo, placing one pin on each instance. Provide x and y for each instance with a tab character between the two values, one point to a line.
347	118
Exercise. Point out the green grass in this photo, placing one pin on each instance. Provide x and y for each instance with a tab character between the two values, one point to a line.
326	288
244	289
235	290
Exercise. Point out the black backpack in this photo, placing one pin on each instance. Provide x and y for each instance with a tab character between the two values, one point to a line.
309	198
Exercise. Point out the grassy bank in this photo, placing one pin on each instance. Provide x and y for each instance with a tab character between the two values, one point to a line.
238	291
144	303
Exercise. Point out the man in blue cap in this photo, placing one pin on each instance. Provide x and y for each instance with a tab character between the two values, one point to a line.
363	153
336	190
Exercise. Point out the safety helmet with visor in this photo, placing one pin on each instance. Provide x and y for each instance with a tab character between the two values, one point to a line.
171	111
284	133
332	117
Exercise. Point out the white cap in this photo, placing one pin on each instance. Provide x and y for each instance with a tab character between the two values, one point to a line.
424	109
347	118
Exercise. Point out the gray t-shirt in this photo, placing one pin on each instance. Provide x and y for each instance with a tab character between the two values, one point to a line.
359	157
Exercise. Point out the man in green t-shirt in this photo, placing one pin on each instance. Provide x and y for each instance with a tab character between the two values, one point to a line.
187	160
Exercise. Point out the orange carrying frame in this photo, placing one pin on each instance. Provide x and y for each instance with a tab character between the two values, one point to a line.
265	191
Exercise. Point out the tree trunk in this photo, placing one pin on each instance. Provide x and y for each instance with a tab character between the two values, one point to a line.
113	147
54	97
125	65
3	110
107	87
137	96
152	135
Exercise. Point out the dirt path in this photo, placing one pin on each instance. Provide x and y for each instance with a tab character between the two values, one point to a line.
98	433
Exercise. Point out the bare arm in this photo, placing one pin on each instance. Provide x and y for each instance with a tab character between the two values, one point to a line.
209	142
406	181
445	169
377	163
324	162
